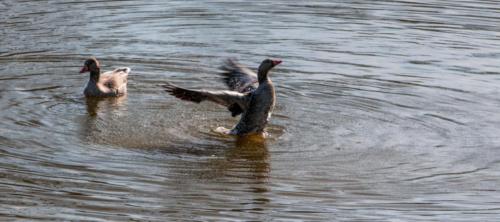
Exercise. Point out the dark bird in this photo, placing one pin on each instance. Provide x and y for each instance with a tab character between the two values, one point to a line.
107	84
251	95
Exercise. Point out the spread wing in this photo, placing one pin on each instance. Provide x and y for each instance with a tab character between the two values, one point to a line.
223	97
239	78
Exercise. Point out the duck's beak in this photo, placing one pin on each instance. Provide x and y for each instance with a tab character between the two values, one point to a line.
84	69
276	62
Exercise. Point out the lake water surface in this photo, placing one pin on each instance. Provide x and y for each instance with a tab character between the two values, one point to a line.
386	111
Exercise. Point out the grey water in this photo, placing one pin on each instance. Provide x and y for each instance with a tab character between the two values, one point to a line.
386	111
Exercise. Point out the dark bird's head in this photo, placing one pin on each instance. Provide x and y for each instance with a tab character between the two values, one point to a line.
90	65
265	66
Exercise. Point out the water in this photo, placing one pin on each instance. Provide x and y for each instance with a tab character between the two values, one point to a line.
386	111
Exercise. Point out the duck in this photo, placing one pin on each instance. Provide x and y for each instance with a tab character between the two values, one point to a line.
250	94
107	84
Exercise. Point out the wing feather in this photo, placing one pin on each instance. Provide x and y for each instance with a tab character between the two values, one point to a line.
226	98
115	79
238	77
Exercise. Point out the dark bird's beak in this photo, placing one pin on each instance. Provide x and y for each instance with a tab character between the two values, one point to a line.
276	62
84	69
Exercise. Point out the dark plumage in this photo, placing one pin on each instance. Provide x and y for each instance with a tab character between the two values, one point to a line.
239	78
250	94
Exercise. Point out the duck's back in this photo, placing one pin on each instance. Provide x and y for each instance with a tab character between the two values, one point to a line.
111	83
115	80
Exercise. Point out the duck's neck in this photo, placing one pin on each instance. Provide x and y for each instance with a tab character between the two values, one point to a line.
94	75
262	74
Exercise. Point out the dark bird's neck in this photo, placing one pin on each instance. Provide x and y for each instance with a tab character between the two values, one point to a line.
94	75
262	74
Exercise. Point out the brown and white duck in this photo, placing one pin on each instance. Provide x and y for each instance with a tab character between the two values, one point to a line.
107	84
250	94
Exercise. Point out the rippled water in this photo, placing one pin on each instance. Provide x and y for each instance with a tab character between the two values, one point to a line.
386	111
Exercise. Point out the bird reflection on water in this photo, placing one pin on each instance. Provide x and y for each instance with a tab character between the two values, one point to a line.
253	151
96	103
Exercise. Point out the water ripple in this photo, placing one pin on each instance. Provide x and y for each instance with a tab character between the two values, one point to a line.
387	109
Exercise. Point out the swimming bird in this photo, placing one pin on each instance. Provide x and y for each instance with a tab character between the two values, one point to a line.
251	95
107	84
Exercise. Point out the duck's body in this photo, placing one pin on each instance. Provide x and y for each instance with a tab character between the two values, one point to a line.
107	84
260	108
252	96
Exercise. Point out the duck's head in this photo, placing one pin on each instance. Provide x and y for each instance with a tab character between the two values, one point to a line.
90	65
267	65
